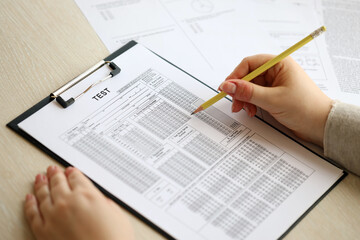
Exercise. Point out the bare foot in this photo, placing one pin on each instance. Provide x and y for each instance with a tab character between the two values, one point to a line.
66	205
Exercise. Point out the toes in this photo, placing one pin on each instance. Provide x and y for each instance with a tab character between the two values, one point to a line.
32	213
59	185
77	180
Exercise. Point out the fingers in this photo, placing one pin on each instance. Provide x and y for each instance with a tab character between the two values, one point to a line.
250	94
42	194
58	183
249	64
250	109
241	97
77	180
42	191
32	212
237	105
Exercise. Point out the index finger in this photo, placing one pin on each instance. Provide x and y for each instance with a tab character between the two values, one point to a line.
249	64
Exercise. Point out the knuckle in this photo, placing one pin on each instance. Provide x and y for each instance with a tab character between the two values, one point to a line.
247	92
244	91
30	213
245	60
39	186
56	179
28	205
289	59
89	196
41	194
74	175
276	101
62	205
44	205
36	227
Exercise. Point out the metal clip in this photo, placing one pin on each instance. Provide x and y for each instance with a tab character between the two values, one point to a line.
65	103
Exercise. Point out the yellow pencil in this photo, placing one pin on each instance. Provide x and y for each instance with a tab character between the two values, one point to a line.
264	67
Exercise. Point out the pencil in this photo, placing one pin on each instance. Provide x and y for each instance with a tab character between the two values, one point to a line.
264	67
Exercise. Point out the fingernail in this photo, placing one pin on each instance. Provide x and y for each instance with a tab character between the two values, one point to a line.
52	168
68	170
221	85
28	197
229	87
38	178
43	178
247	110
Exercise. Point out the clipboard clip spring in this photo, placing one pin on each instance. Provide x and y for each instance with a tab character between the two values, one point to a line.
115	70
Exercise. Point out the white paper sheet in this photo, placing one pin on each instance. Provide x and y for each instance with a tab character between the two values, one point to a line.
342	19
289	22
203	37
336	66
214	175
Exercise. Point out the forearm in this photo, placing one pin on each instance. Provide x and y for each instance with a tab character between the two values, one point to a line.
342	136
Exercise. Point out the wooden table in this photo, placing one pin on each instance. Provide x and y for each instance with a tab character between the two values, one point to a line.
43	44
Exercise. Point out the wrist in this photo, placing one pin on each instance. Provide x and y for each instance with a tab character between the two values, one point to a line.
320	122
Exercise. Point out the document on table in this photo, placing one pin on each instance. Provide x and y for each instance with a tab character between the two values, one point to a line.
287	23
213	175
342	19
203	37
333	61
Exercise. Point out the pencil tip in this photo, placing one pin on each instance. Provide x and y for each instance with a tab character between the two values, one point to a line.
199	109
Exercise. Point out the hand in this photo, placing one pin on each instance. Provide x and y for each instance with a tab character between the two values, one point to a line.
285	91
66	205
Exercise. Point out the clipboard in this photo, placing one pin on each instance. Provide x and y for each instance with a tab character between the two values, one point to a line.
14	126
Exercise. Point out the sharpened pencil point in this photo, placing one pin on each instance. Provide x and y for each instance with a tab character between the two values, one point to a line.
199	109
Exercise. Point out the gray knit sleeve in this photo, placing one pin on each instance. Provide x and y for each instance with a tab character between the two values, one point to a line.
342	136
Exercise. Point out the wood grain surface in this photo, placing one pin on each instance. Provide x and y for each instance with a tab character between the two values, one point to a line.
44	44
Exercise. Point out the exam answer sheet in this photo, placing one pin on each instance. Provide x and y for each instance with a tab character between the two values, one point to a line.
213	175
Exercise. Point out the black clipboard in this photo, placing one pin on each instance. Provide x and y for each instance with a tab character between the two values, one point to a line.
13	125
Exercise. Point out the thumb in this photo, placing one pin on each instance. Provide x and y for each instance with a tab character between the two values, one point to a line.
249	92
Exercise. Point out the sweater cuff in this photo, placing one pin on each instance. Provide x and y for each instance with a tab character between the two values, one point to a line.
342	136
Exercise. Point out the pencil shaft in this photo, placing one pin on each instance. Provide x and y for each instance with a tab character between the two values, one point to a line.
267	65
213	100
277	59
